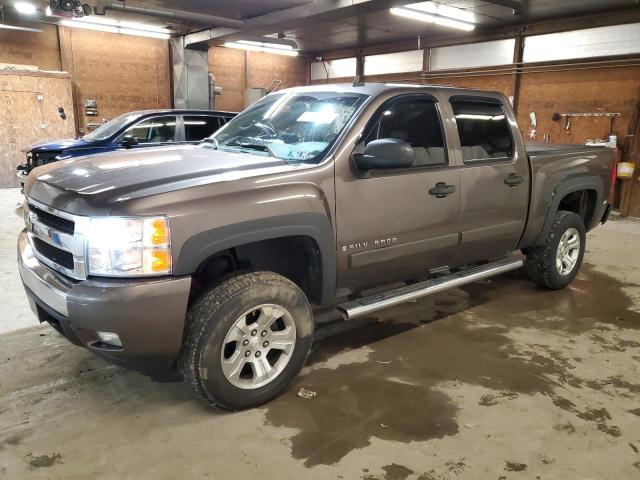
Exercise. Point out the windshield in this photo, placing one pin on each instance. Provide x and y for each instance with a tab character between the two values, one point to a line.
295	127
112	126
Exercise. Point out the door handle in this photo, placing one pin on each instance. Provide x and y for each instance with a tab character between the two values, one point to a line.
514	180
441	190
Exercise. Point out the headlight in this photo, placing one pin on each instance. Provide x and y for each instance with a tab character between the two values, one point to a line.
123	246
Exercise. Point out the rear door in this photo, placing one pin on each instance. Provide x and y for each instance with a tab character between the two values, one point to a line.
494	177
199	127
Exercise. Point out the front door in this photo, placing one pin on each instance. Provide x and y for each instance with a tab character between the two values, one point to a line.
494	179
153	131
392	224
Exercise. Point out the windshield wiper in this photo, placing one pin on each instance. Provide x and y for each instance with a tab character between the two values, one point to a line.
256	146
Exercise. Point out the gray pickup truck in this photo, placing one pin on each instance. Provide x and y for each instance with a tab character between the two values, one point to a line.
212	259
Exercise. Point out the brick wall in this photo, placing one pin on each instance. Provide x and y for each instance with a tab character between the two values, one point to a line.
121	72
40	49
230	68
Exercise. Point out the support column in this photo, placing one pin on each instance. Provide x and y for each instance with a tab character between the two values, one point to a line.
190	73
517	61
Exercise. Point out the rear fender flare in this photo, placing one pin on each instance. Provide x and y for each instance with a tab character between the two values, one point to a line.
561	191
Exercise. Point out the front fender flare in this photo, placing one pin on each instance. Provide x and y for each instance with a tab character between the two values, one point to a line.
205	244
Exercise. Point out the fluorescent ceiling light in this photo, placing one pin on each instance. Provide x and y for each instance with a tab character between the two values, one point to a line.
116	26
266	44
262	47
22	29
442	15
475	116
443	11
25	8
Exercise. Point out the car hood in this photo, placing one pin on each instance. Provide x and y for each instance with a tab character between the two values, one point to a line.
106	179
59	144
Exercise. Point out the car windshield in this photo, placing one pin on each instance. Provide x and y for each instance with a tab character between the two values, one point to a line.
297	127
112	126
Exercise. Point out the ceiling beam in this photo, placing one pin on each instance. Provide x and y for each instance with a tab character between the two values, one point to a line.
295	17
171	14
515	6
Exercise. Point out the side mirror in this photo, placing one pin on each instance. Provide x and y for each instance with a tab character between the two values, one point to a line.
129	141
384	154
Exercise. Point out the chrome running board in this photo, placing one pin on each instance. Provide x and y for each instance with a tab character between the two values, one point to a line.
364	306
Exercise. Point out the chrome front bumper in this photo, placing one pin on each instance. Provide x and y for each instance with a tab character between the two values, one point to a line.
49	287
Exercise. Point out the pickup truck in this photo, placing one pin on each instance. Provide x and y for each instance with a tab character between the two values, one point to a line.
212	259
138	129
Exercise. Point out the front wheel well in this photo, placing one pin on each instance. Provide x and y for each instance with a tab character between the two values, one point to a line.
297	258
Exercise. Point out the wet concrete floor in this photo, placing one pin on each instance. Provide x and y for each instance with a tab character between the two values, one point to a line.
498	380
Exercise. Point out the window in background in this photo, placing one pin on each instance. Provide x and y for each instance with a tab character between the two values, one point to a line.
154	130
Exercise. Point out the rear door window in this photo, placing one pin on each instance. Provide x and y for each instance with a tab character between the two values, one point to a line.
154	130
197	128
484	131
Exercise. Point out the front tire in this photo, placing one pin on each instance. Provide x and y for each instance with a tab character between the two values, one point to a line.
555	264
246	339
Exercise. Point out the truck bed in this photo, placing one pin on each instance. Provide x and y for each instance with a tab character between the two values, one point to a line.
557	170
539	149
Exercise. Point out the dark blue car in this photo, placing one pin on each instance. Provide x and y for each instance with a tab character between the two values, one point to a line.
144	128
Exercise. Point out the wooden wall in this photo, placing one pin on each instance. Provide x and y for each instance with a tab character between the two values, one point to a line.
236	70
29	113
121	72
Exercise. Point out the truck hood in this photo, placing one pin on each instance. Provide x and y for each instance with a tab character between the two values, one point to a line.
59	144
105	179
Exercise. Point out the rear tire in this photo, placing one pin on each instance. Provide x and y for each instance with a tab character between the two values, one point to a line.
246	339
555	264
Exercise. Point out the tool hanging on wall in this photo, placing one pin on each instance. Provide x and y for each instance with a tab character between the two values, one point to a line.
568	116
534	123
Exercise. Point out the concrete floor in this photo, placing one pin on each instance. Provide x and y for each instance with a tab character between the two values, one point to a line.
499	380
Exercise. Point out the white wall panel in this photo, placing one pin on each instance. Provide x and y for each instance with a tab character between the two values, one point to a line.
590	42
344	67
399	62
483	54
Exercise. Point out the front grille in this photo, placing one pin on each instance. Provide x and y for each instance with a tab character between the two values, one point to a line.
54	254
42	158
50	220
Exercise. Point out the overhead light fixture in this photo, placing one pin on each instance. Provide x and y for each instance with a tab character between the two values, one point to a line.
21	29
443	15
116	26
476	116
25	8
278	48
